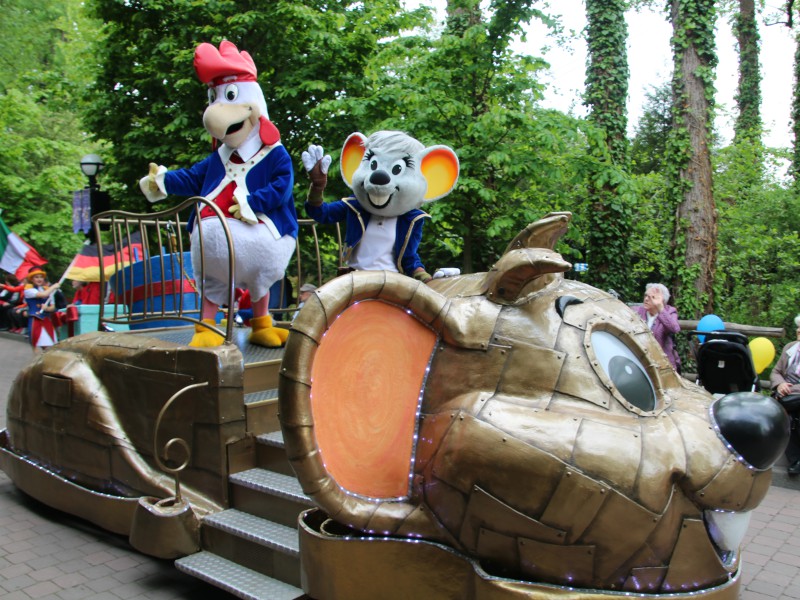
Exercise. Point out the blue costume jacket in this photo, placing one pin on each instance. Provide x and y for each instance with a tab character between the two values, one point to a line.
407	235
269	184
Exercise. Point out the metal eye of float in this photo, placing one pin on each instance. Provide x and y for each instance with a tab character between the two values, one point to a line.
624	370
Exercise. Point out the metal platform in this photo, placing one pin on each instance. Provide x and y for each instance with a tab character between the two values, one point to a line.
183	335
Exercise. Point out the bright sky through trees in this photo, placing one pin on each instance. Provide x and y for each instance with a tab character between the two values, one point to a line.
651	64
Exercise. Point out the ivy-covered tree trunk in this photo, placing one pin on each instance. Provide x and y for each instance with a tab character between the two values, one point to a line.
689	164
607	77
796	117
748	94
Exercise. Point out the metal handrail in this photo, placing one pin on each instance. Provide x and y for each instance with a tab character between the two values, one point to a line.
167	229
174	471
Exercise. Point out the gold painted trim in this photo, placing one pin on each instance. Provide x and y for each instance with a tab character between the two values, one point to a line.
113	513
340	563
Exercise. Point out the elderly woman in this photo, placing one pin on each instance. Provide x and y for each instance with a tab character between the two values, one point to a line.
662	320
785	380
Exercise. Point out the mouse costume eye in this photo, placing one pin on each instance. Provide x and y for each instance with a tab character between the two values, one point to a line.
397	168
373	165
212	95
231	92
624	370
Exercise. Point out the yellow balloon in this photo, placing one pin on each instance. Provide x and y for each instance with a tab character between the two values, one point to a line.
762	351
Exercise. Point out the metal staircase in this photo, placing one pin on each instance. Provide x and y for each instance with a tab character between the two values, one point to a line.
251	550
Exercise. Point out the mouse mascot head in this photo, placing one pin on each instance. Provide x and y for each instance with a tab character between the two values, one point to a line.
392	176
249	177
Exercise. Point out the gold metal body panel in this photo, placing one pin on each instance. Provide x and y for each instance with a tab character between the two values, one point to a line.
532	457
338	563
85	420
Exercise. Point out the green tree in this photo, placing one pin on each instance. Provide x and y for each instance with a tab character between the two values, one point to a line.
749	124
795	116
690	179
759	246
42	72
649	144
607	77
306	52
466	88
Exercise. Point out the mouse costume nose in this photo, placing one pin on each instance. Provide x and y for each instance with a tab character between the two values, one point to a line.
379	177
756	427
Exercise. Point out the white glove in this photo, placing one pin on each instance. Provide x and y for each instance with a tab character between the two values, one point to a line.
447	272
316	155
152	184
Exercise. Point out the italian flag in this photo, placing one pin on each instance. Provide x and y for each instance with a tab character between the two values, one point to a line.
16	256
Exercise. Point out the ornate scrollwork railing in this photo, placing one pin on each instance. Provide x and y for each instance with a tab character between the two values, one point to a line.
172	442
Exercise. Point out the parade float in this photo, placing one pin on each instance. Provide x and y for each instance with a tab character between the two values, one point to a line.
498	435
507	434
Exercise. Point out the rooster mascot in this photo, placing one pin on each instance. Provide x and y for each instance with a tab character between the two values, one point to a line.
249	177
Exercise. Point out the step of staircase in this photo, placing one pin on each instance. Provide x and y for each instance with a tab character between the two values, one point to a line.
262	372
236	579
271	453
253	542
284	497
261	410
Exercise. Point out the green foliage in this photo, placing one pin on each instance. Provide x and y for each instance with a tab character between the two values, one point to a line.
607	77
796	117
607	72
748	95
759	258
40	132
466	89
305	52
688	159
649	246
649	144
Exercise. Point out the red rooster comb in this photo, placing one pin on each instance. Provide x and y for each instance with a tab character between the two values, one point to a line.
227	64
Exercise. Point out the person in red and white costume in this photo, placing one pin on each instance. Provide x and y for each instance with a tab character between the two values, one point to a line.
41	311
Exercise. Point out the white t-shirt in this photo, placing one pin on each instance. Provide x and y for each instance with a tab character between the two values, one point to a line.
375	252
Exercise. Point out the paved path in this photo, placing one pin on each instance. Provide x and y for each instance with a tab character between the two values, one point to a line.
48	554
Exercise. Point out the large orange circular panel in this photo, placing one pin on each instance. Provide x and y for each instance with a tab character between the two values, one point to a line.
366	382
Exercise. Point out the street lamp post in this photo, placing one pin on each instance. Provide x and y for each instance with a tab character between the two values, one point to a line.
91	165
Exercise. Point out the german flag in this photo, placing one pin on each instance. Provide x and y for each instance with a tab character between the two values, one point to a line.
86	264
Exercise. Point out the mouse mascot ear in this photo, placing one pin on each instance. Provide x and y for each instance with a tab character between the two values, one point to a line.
439	165
352	154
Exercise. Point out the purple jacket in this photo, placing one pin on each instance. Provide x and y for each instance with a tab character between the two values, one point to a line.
664	327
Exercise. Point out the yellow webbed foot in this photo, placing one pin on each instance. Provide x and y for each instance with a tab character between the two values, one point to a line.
264	334
206	338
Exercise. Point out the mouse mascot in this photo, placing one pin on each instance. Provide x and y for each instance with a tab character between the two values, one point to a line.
249	177
392	176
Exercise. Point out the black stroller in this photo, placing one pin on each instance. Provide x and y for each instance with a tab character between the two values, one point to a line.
724	363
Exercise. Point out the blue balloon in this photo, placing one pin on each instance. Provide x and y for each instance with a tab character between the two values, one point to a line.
709	323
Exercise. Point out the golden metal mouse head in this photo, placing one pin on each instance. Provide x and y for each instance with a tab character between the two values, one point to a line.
530	422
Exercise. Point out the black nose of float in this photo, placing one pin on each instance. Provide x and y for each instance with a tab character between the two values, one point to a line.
755	426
